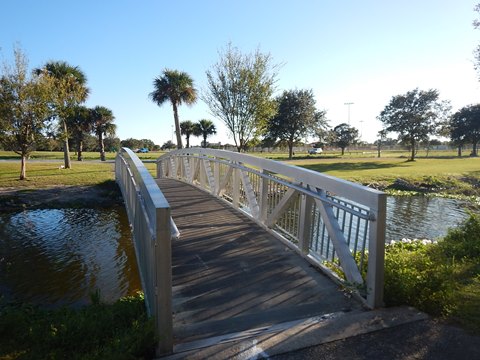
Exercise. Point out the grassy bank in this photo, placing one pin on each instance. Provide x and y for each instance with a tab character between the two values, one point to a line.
118	331
442	279
45	174
87	155
452	176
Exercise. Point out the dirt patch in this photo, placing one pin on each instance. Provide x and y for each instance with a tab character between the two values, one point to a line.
105	195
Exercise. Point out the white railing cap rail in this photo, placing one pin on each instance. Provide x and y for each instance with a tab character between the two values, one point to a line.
355	192
151	193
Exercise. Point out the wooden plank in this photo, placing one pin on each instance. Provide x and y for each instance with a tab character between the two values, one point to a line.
229	274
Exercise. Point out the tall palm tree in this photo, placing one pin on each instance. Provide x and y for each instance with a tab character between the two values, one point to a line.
81	123
204	128
176	87
103	125
70	90
187	128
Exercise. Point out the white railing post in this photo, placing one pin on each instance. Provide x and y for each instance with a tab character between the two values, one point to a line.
236	188
163	275
263	213
305	227
376	255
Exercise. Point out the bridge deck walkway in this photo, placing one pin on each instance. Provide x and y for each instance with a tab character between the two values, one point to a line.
230	275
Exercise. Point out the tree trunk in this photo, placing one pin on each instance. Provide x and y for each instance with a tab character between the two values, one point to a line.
188	140
177	126
459	151
66	150
379	150
102	147
80	150
474	149
23	167
412	156
290	150
343	151
204	140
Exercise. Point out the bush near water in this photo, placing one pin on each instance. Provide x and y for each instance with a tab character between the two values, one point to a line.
441	278
99	331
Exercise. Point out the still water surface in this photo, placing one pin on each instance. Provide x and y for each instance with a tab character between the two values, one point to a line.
58	257
422	217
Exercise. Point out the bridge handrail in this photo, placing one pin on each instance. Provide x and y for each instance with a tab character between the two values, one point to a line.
152	229
344	218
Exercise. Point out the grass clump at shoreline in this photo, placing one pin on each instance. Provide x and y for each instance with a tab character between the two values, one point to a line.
118	331
442	279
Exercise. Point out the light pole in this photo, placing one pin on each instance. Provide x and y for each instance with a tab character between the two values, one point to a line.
348	104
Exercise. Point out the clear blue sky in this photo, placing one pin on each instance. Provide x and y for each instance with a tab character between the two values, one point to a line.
363	52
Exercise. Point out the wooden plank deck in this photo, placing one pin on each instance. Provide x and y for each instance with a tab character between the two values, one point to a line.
229	275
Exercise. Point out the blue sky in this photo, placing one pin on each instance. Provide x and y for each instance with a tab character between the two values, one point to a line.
362	52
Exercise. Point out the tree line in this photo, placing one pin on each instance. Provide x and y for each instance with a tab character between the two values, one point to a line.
47	101
240	93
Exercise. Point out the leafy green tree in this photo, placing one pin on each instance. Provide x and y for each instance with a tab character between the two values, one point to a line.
24	108
296	118
187	128
240	93
70	91
131	143
112	143
168	145
343	135
80	122
147	143
382	138
176	87
204	128
414	116
465	128
103	125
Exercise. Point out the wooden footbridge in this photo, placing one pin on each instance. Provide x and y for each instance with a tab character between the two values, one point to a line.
263	250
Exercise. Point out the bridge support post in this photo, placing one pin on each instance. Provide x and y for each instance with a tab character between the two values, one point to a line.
305	228
163	288
376	255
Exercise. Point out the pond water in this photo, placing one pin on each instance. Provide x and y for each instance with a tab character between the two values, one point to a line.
59	257
422	217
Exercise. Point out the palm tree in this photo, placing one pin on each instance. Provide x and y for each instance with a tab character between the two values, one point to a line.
70	90
81	123
176	87
204	128
187	128
103	125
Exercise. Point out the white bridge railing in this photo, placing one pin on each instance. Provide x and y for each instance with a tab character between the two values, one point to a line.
328	221
152	228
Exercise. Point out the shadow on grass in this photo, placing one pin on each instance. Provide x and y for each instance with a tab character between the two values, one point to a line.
351	166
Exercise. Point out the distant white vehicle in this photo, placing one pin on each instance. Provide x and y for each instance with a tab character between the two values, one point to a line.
314	151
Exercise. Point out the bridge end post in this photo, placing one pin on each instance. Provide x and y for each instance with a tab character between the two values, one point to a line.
376	255
163	289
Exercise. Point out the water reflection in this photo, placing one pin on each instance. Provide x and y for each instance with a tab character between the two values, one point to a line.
58	257
422	217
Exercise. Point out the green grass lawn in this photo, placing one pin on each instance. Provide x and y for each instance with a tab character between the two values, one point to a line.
87	155
359	169
45	174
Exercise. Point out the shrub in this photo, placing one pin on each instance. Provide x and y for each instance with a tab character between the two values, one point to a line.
118	331
439	278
